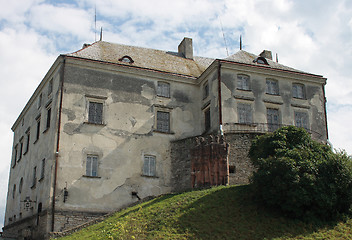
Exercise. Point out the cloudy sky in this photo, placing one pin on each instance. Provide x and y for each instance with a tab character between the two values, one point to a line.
313	36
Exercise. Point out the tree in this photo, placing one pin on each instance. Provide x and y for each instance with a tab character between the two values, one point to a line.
300	176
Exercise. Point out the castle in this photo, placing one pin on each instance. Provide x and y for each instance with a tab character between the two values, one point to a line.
111	124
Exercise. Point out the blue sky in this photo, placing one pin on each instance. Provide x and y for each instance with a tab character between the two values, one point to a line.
313	36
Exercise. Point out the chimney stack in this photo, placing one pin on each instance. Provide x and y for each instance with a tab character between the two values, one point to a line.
185	49
266	54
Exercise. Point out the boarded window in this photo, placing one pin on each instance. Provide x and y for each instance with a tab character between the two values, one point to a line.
95	113
163	121
149	166
92	166
272	87
163	89
243	82
298	90
244	112
301	120
273	119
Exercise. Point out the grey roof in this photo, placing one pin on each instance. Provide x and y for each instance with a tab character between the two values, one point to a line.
248	58
144	57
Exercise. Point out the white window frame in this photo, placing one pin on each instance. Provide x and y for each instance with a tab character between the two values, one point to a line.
149	165
92	165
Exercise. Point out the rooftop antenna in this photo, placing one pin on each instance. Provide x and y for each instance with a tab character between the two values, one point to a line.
223	34
277	58
95	23
101	34
240	42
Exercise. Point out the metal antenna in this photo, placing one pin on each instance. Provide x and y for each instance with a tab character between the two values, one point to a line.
95	23
240	42
101	34
223	34
277	58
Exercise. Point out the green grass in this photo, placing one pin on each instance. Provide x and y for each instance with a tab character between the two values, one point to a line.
216	213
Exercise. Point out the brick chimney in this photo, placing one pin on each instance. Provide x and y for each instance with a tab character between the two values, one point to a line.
266	54
185	49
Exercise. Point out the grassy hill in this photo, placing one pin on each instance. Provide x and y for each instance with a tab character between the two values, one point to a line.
216	213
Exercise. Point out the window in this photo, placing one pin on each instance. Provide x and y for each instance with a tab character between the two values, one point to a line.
243	82
95	112
15	156
163	89
273	119
14	191
40	100
205	90
126	59
272	87
92	166
34	179
50	87
48	118
244	112
38	129
163	121
207	119
261	60
301	120
43	169
28	136
21	149
20	186
149	166
298	91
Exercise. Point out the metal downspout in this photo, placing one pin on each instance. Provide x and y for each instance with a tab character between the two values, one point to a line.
325	113
57	145
219	98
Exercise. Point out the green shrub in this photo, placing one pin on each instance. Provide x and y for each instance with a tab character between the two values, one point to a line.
303	178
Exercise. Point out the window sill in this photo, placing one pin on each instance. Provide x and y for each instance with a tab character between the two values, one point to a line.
303	98
36	141
33	186
87	176
147	176
18	160
273	94
247	124
47	129
96	124
41	179
163	96
246	90
168	133
25	152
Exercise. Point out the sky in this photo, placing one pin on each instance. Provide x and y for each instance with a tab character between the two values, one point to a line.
314	36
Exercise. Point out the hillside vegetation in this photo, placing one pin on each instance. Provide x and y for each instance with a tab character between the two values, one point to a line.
216	213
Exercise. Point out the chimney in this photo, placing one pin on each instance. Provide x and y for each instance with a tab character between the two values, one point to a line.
185	49
266	54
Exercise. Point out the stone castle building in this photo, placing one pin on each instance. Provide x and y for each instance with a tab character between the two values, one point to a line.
111	124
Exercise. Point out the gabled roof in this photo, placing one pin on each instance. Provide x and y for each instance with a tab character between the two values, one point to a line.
159	60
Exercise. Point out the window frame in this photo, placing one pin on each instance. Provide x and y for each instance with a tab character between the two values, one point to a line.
28	137
90	164
248	115
270	89
151	165
37	135
273	126
206	90
50	87
298	91
20	150
48	117
95	100
34	177
163	89
207	119
15	155
240	82
158	123
40	101
298	116
42	171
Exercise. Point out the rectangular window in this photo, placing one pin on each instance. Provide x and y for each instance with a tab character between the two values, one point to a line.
205	90
95	112
163	121
273	119
28	133
38	129
244	112
21	149
43	169
298	91
15	156
163	89
301	120
34	179
92	166
243	82
50	87
207	119
48	117
149	166
272	87
40	100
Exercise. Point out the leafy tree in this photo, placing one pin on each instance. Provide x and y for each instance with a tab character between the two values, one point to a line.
300	176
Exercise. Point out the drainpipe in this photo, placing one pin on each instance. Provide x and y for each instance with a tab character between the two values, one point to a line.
57	144
325	114
219	97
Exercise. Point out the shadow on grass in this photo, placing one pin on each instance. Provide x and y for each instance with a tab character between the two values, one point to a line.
230	213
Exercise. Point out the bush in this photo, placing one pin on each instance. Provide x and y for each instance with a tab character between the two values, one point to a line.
303	178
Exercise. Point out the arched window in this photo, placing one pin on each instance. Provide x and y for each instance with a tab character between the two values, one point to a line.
261	60
126	59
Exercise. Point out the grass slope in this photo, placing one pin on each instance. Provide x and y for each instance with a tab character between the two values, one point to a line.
216	213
